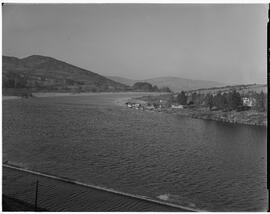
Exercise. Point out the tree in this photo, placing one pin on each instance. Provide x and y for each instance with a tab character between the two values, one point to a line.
182	98
260	102
209	101
265	101
155	88
194	98
165	89
143	86
220	101
234	100
14	80
198	98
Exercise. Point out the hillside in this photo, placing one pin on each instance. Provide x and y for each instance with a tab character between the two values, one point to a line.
242	89
123	80
41	73
176	84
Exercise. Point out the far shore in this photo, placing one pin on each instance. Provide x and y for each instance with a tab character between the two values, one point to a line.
61	94
255	119
10	97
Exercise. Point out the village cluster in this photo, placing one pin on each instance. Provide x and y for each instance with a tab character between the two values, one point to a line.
163	104
215	101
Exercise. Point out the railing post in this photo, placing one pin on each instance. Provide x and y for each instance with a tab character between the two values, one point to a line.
36	195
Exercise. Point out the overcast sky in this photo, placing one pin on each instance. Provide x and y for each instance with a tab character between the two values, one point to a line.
225	43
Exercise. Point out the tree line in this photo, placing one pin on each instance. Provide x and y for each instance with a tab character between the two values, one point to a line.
224	101
145	86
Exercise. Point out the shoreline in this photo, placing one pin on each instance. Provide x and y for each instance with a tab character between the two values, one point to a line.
64	94
233	117
214	117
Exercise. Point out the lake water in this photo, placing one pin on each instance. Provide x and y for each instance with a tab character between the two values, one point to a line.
206	165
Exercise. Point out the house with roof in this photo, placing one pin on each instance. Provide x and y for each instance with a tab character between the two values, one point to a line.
249	101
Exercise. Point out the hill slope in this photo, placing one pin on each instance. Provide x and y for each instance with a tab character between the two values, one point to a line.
46	73
123	80
177	84
242	89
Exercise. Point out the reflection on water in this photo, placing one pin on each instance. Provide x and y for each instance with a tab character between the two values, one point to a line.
202	164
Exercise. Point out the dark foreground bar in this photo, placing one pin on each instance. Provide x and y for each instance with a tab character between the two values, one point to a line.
60	194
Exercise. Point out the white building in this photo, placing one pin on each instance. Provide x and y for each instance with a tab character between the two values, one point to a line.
248	101
178	106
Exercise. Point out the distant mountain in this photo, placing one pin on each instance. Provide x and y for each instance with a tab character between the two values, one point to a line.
123	80
46	73
177	84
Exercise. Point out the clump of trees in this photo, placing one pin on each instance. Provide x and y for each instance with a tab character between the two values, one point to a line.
13	80
224	101
261	101
182	98
165	89
233	100
145	86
